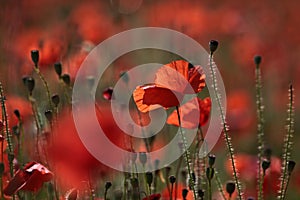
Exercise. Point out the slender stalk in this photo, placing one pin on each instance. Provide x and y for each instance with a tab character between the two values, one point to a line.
187	156
260	129
219	184
177	175
287	143
38	72
225	126
209	192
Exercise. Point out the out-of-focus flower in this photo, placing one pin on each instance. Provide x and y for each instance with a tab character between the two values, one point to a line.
240	111
187	113
171	82
31	178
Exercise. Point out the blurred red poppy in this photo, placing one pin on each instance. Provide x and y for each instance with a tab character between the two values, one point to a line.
31	178
171	82
187	113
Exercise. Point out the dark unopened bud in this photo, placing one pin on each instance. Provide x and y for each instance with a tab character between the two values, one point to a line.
55	100
143	157
230	187
2	138
291	166
213	45
184	193
134	182
118	194
108	184
211	160
58	68
49	115
30	83
17	113
200	193
149	178
172	179
257	60
1	168
250	198
35	57
107	93
210	173
265	165
66	79
72	194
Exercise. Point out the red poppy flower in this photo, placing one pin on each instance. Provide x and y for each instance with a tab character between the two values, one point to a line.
187	113
31	178
171	82
153	197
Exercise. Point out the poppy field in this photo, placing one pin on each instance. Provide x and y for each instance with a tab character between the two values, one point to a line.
211	113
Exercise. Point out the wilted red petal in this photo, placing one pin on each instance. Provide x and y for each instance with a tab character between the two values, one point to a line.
147	97
153	197
31	178
189	111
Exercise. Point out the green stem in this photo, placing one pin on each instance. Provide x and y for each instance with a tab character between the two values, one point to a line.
187	156
37	70
209	192
219	184
260	129
225	126
287	143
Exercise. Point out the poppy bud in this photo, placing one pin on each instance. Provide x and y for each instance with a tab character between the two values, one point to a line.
200	193
230	187
184	193
291	166
35	57
265	165
2	167
58	68
133	157
118	194
211	160
210	173
107	185
134	182
257	60
48	114
250	198
30	83
213	45
1	138
17	113
143	157
107	93
149	178
172	179
55	99
66	79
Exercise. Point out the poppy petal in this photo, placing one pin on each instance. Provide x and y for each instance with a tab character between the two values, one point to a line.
196	79
149	97
189	111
